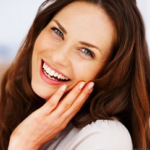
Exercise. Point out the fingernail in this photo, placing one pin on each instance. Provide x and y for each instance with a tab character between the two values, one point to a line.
90	86
63	88
81	85
91	91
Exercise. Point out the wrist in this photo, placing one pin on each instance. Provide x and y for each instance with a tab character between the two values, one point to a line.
19	144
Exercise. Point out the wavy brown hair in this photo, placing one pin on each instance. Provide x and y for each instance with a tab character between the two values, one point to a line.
122	91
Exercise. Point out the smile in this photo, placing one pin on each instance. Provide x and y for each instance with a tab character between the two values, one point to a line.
53	74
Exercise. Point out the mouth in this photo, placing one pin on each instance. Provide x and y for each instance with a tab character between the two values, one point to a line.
51	74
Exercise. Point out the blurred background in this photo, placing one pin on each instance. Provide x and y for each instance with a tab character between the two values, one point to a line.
16	18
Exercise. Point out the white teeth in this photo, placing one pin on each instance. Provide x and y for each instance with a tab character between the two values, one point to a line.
46	67
53	73
56	74
59	76
48	70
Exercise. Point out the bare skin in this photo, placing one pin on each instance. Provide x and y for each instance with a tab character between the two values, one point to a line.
46	122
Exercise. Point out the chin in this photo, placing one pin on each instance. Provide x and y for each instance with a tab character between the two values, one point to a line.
40	92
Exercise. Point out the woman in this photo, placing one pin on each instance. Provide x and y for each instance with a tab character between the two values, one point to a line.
47	97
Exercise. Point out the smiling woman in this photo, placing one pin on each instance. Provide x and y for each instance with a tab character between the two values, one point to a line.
80	80
61	46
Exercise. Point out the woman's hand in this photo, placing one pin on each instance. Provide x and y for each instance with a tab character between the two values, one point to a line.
46	122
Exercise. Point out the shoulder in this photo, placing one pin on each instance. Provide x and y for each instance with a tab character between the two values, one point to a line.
112	128
105	135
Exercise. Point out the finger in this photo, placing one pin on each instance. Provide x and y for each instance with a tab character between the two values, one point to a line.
76	106
54	100
68	100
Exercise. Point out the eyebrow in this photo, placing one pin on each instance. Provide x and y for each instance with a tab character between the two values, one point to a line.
60	26
81	42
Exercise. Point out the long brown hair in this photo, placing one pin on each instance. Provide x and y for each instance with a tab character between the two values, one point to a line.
121	92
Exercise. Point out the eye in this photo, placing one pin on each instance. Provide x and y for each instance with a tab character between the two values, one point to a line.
58	32
87	52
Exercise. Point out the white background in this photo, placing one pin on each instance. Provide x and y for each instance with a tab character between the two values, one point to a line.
16	17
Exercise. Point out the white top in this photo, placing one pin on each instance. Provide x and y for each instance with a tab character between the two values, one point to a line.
99	135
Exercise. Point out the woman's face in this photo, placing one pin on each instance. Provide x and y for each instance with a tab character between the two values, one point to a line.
73	47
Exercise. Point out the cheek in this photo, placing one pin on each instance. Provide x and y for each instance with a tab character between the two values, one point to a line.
39	45
87	72
42	42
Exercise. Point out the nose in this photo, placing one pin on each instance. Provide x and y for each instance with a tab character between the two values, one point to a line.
60	56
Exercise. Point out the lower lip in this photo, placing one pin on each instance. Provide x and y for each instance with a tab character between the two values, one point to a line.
48	80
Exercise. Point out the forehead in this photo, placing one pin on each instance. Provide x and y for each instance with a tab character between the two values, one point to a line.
87	21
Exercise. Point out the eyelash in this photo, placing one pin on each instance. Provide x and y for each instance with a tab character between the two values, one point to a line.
87	52
58	32
84	50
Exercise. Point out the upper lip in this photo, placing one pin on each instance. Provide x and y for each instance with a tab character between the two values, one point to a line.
54	69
